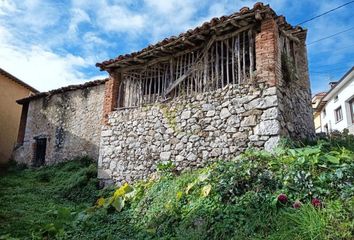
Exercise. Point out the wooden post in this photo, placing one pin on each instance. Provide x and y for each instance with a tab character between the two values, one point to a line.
233	59
222	64
150	85
205	75
244	56
227	62
238	59
217	65
251	43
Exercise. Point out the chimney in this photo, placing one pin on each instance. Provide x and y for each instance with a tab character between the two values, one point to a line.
333	84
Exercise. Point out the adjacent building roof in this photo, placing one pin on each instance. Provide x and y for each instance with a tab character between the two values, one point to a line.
320	99
18	81
320	94
62	90
194	38
317	101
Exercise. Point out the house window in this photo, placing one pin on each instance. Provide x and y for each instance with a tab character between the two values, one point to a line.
336	98
338	114
351	107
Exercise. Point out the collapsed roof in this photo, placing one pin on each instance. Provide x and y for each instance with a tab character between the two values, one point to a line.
193	38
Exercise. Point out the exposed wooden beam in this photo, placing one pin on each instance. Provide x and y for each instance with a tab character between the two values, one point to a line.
199	37
192	67
189	43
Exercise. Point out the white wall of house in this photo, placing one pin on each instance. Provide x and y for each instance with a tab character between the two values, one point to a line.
341	96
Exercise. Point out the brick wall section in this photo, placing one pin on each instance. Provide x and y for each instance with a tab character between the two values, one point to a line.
268	60
110	96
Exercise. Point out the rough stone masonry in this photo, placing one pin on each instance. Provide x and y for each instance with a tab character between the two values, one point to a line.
190	132
66	120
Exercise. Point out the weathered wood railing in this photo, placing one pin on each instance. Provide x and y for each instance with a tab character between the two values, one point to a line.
223	60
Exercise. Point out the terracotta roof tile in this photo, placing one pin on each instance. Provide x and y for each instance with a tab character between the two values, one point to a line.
205	26
62	90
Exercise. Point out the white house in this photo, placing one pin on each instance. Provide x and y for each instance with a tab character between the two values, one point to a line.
338	111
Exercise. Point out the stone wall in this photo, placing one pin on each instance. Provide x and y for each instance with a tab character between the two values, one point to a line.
294	94
71	122
188	131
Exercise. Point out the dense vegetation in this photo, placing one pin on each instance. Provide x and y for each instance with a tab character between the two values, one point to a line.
31	200
295	193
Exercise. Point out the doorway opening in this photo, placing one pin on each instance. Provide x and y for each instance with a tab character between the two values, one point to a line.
40	149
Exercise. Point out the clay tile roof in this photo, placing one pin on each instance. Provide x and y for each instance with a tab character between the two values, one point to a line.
202	30
18	81
321	94
62	90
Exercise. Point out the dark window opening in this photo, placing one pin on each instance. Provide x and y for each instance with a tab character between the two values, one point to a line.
338	114
22	127
351	107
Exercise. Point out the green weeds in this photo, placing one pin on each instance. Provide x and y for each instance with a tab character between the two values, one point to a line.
293	193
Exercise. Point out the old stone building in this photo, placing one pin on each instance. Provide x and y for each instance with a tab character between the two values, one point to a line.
235	82
60	124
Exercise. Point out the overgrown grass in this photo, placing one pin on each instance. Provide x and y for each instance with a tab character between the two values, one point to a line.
30	197
293	193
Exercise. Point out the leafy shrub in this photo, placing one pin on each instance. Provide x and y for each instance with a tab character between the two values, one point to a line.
81	185
239	199
342	139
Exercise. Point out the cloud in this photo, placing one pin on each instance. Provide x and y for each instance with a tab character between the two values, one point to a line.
77	16
33	40
42	69
58	42
93	38
7	7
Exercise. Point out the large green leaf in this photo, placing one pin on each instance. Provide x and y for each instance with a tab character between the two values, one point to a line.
310	151
118	203
126	188
206	190
332	159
